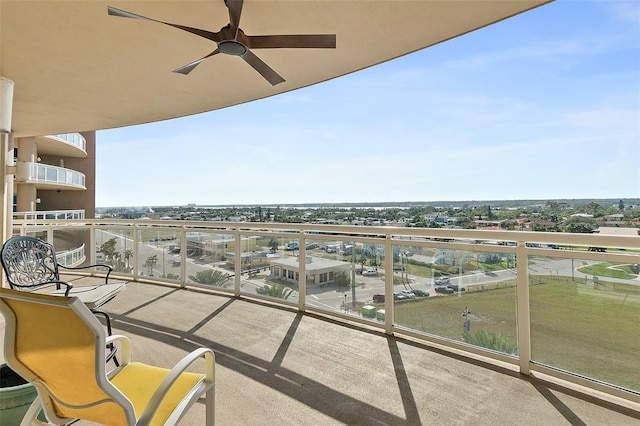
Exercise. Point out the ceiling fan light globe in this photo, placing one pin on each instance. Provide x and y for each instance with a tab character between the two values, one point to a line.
232	47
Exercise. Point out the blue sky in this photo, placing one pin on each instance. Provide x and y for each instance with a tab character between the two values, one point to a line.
545	105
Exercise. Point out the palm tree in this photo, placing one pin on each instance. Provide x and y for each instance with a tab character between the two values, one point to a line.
277	290
128	254
150	263
211	277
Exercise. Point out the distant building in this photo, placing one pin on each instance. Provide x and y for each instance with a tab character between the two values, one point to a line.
319	271
440	219
249	260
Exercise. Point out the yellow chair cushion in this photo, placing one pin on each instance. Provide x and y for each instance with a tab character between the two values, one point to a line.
138	381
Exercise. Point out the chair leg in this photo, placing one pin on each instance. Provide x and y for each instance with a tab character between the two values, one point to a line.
210	403
112	349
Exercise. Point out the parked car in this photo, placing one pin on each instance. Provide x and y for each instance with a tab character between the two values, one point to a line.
443	289
420	293
291	245
442	281
311	246
378	298
370	273
399	296
456	287
408	294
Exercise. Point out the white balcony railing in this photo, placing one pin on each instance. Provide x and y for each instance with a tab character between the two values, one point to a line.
49	214
560	304
71	257
75	139
43	173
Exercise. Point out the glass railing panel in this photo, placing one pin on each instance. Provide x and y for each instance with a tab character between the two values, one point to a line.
585	318
159	253
471	295
209	259
47	173
115	247
368	277
75	139
51	174
49	214
39	172
258	256
334	279
70	244
40	233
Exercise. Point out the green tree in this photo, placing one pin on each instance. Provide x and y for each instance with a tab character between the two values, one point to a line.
465	222
621	205
489	212
580	227
211	277
273	245
276	290
342	278
580	224
109	248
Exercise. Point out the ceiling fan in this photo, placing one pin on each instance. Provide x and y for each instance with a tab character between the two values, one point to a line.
233	41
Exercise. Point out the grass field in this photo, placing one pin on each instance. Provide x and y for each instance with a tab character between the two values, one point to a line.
594	332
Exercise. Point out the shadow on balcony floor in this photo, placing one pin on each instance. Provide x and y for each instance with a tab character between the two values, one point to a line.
276	366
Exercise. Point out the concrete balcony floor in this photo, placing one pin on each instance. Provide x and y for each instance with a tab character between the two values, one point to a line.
276	366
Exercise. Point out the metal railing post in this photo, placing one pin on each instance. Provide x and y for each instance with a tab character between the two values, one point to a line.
237	263
522	302
388	285
302	272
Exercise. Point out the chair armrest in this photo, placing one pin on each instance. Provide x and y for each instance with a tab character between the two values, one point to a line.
124	346
109	269
173	375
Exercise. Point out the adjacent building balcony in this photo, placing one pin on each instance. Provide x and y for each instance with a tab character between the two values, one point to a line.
63	145
48	177
49	214
535	328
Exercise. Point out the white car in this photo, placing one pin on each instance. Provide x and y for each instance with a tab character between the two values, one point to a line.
408	294
370	273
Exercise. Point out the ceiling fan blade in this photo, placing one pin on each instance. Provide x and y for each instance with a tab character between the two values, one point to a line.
124	14
235	10
186	69
197	31
265	70
313	41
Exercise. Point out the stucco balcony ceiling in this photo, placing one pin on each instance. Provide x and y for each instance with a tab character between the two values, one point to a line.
77	68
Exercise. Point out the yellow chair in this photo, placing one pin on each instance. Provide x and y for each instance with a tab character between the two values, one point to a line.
56	343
